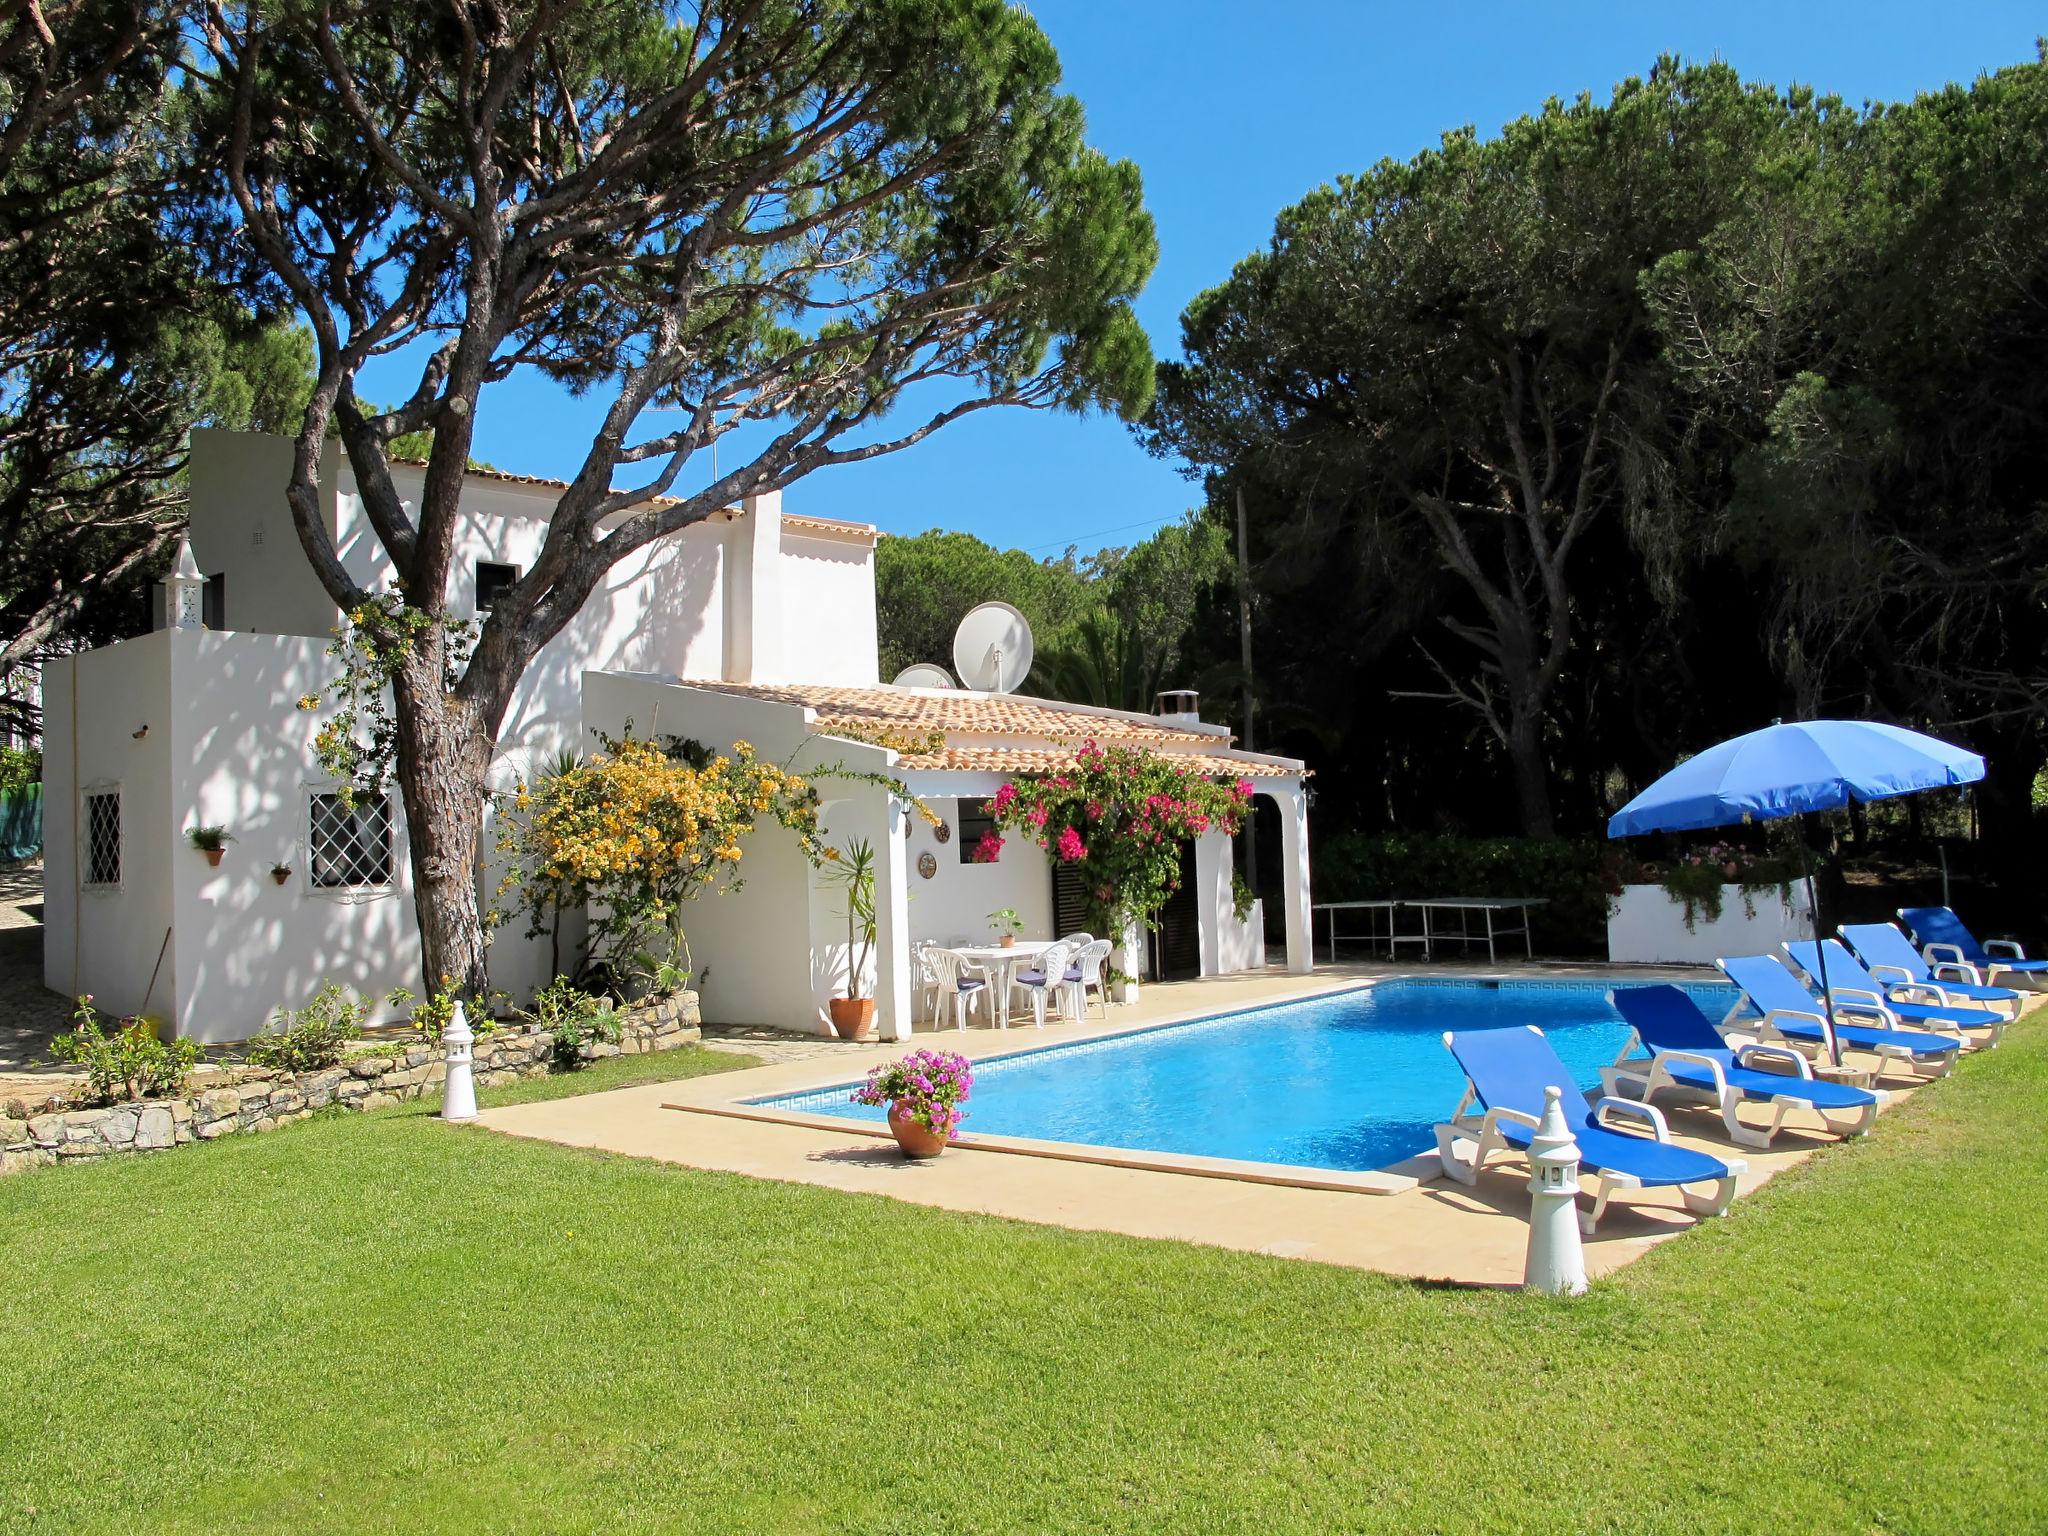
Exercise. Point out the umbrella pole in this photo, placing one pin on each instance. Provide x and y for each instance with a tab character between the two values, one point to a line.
1820	948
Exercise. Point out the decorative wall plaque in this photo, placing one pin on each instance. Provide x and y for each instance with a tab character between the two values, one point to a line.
943	832
927	864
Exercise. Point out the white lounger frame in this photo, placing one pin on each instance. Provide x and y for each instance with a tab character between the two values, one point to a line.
1740	1031
1483	1131
1911	989
1941	957
1644	1079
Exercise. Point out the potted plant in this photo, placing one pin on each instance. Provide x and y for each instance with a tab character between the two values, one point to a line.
211	841
853	872
1006	924
280	873
924	1092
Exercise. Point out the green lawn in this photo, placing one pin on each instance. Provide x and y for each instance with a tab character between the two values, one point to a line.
384	1322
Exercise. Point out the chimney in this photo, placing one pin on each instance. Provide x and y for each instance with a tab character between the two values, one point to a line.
753	592
1178	706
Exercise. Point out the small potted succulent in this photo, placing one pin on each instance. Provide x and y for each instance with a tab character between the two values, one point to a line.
924	1092
280	872
853	872
211	841
1006	924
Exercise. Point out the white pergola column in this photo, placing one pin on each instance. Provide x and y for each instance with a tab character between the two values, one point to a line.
893	982
1294	887
1212	898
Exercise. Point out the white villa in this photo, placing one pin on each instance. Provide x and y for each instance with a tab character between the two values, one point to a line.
755	625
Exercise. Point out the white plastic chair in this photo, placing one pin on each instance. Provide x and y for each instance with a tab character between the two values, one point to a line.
1085	975
1077	939
930	995
1048	974
959	977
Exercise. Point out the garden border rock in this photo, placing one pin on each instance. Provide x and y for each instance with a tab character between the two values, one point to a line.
370	1076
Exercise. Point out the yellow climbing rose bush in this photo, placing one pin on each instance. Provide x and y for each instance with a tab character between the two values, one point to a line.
631	833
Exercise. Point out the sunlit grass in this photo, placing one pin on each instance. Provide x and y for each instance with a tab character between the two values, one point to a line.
384	1322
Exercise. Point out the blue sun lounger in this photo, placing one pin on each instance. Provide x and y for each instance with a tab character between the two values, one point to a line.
1793	1014
1506	1071
1688	1057
1942	937
1889	955
1850	983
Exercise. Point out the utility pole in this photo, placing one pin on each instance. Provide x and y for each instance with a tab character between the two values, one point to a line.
1244	651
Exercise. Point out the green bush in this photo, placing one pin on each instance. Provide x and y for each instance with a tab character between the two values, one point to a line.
19	768
576	1018
1571	877
127	1065
311	1038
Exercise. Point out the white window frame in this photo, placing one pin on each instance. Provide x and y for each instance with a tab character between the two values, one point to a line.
310	791
87	793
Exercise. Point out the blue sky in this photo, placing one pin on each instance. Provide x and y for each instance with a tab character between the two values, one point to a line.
1234	111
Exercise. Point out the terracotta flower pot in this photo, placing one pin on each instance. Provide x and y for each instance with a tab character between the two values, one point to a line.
917	1141
853	1018
280	875
213	855
1009	941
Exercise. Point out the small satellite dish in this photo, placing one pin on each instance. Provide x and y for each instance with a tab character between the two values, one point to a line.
925	674
992	648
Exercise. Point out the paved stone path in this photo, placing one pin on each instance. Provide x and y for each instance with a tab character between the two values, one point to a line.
29	1012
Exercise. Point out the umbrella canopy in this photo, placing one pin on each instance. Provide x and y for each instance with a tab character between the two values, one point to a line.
1802	765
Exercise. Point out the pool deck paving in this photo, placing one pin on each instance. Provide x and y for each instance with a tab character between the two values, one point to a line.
1414	1223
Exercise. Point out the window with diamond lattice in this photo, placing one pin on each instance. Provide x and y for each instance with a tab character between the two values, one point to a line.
350	846
103	837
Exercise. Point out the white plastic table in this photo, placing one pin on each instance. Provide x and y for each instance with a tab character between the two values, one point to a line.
1001	962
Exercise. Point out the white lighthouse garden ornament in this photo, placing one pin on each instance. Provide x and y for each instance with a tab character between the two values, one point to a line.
1556	1265
185	591
458	1093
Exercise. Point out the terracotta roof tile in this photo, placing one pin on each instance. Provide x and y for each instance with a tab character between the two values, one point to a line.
896	712
963	713
1046	760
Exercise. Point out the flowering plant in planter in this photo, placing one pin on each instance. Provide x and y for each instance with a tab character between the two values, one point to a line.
926	1088
1121	814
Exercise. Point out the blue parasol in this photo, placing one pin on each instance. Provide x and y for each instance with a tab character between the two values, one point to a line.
1789	768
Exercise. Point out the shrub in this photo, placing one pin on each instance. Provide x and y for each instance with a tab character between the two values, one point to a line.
311	1038
127	1065
20	767
631	834
575	1018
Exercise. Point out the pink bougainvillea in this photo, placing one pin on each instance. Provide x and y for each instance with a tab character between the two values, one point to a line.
990	848
1137	809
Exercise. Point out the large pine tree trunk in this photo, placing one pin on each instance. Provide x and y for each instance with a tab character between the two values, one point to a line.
443	762
1531	772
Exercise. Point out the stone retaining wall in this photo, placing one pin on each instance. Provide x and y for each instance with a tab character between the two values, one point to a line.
370	1077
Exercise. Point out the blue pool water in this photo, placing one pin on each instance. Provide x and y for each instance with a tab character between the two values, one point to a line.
1351	1081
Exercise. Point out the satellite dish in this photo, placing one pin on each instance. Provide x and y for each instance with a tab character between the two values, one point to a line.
925	674
992	648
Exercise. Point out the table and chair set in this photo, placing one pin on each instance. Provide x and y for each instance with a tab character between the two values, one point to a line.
956	979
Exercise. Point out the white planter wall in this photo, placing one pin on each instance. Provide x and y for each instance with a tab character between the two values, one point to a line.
1646	925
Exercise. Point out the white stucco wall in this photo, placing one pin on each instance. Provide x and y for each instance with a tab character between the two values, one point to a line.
771	952
954	904
827	612
225	746
106	940
1646	925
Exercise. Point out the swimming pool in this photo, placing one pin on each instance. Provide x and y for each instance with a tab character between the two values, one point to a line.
1353	1081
